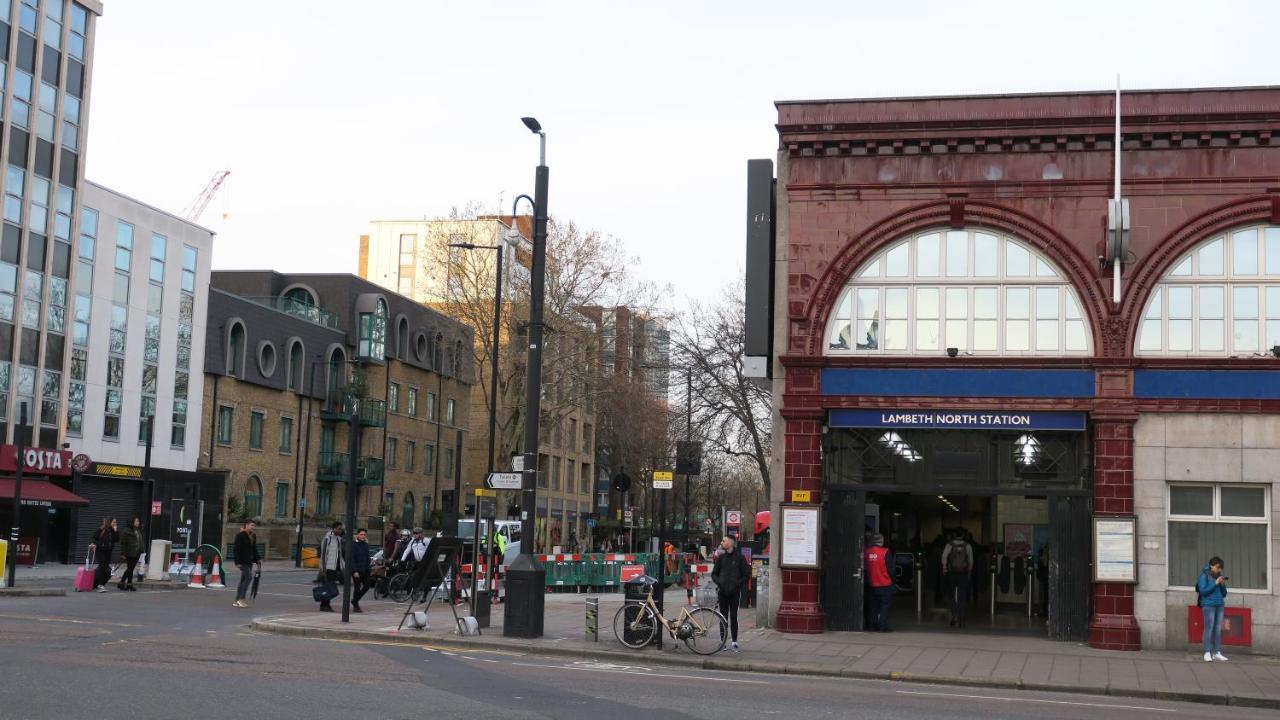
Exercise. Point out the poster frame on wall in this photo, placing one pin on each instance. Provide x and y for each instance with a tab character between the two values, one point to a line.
811	516
1128	525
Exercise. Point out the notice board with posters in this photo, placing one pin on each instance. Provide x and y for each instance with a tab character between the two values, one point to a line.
1115	549
801	536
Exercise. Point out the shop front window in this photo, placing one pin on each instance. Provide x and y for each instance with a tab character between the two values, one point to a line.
1230	521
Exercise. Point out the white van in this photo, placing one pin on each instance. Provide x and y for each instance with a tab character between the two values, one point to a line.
510	529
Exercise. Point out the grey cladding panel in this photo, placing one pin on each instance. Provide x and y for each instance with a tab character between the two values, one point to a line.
759	274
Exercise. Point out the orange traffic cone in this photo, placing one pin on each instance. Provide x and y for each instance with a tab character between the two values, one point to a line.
215	577
197	575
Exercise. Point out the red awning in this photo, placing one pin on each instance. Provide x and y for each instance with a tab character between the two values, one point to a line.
39	491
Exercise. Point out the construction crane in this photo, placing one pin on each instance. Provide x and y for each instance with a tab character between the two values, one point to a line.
193	211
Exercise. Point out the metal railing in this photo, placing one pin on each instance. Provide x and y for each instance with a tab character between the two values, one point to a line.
299	309
336	467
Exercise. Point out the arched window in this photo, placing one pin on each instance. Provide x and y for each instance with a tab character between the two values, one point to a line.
402	339
336	360
373	333
406	511
296	355
973	290
253	497
1221	298
235	350
301	296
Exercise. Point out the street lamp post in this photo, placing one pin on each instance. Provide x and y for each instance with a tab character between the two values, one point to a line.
526	582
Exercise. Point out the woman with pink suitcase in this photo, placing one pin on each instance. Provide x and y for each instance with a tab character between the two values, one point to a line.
104	541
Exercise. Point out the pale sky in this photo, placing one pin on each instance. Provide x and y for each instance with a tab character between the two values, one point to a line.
331	113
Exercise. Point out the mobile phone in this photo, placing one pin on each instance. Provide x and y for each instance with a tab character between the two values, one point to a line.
1225	578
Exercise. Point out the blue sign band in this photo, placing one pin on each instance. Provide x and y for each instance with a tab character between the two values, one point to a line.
943	382
1207	384
958	420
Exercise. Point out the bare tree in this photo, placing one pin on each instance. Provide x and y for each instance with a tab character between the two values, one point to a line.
731	414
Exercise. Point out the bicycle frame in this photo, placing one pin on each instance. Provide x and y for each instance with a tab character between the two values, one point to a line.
670	625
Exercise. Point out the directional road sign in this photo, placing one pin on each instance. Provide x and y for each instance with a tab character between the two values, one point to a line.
662	480
504	480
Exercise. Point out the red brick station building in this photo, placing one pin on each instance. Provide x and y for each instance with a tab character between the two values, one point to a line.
931	288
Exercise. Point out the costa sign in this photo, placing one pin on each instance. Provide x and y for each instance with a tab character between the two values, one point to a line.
38	461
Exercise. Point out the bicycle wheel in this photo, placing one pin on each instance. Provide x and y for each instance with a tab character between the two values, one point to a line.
710	631
398	588
635	626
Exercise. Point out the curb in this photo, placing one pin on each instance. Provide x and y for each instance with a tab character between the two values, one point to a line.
32	592
270	625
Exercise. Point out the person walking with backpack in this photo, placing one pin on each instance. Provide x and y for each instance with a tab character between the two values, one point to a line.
957	567
331	561
104	542
1211	592
875	560
244	553
730	574
131	550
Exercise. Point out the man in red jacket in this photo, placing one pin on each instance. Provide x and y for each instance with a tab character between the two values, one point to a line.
875	562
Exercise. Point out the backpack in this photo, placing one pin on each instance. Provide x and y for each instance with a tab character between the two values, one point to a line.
958	560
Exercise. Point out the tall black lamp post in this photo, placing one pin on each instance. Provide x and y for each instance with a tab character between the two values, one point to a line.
526	582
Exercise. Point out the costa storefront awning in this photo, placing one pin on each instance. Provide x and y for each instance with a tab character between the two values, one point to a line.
40	492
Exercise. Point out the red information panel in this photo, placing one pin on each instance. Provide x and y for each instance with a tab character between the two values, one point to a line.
27	547
631	572
1237	626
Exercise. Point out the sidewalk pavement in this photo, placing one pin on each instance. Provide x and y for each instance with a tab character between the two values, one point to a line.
1013	662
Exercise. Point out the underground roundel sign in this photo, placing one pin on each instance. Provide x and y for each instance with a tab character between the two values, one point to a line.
733	518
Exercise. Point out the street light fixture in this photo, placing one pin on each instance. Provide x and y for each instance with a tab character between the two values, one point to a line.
526	582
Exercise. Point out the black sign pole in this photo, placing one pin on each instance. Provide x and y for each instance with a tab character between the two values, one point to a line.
12	562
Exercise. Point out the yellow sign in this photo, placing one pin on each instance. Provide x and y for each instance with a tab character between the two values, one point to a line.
486	492
663	475
801	496
117	470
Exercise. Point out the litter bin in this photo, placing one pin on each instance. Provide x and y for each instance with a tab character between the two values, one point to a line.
634	593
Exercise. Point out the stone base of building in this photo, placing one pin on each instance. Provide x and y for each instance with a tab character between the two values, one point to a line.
801	618
1114	632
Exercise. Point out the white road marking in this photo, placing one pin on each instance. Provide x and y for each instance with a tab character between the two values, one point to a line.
642	674
1110	706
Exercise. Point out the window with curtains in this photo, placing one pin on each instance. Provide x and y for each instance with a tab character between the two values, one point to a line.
1230	521
974	290
1221	298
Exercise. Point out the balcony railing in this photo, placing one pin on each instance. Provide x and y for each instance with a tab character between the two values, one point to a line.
336	467
344	401
299	309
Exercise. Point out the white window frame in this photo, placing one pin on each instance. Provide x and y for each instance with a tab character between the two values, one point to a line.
969	281
1228	280
1218	517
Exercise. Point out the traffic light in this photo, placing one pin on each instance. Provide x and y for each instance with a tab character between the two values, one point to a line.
688	458
621	482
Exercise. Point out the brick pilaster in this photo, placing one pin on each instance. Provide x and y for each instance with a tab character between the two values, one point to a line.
799	611
1113	625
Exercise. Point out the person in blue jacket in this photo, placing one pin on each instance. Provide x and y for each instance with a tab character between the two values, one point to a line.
1212	589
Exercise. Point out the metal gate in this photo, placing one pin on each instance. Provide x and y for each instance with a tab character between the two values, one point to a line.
842	539
120	499
1070	567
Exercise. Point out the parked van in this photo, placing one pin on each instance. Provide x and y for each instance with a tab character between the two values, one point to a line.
510	529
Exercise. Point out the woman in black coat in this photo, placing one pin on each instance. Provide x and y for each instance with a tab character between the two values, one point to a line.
104	542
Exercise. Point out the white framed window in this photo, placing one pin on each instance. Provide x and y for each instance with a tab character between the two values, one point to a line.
1229	520
974	290
1221	298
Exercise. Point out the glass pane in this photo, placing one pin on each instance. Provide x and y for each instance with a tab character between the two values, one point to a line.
1243	502
1046	334
1244	253
1244	302
957	253
871	270
868	303
868	333
957	303
1043	269
1273	303
1017	261
1212	335
1017	303
1180	302
1183	268
1273	332
985	302
984	255
1072	308
927	256
895	261
839	339
927	335
1047	303
846	303
1244	336
1273	251
1242	547
895	301
1017	335
926	302
1211	302
1149	338
895	335
1076	340
1209	258
958	334
1190	500
8	277
1154	307
984	335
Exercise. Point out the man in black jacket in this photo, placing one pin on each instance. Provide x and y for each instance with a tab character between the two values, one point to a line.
730	575
360	567
245	555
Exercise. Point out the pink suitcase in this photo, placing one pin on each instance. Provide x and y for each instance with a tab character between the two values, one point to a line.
85	575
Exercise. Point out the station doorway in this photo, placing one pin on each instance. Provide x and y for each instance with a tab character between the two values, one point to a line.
1025	517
